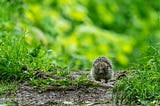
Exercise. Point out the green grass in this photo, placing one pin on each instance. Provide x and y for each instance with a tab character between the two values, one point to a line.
142	85
60	79
18	59
7	88
13	55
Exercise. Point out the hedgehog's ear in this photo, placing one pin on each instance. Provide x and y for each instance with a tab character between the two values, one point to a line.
94	62
110	64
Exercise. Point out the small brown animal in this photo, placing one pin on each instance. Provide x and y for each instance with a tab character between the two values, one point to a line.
101	69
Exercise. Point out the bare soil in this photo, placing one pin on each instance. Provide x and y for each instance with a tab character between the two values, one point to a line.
101	95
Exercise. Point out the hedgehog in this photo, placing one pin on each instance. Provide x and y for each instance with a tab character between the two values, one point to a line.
101	69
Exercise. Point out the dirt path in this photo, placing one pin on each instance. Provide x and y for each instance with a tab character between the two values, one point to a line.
26	95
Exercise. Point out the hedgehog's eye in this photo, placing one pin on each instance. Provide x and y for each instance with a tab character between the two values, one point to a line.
107	67
103	69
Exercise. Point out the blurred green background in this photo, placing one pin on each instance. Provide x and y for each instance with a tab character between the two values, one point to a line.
74	32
